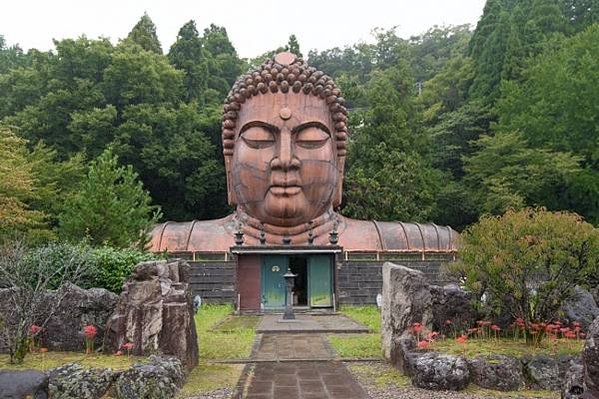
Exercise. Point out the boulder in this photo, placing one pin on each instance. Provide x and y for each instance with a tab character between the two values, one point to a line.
155	313
590	358
406	300
543	372
581	308
499	372
435	371
79	307
161	377
450	302
71	381
573	387
23	384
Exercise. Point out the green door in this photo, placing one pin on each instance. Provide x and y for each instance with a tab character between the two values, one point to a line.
320	282
273	283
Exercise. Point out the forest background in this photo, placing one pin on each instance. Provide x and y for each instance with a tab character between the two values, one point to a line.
445	127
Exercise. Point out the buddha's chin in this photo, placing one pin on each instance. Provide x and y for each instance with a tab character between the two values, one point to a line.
285	210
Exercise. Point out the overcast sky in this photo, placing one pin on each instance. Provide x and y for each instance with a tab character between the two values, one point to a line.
253	26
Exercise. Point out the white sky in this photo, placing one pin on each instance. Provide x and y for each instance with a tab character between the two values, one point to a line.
253	26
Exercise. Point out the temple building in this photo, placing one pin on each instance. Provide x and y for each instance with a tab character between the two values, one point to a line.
284	137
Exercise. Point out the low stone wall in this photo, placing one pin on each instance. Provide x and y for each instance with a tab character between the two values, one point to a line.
159	377
214	281
360	281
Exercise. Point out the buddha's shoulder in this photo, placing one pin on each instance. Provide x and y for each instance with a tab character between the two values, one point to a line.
371	235
196	236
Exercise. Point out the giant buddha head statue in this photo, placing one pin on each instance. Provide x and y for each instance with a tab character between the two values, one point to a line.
284	137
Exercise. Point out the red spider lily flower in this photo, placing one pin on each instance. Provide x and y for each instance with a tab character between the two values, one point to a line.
558	323
424	344
570	335
90	331
576	324
34	329
417	328
432	335
550	328
128	346
43	350
448	323
564	330
119	353
495	328
472	331
535	326
462	339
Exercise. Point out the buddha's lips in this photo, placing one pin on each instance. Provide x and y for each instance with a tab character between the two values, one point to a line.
285	190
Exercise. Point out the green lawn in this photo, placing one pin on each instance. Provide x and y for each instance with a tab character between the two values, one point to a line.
48	360
352	346
222	336
370	316
210	377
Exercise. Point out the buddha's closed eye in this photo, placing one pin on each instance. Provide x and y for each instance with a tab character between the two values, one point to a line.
258	137
311	137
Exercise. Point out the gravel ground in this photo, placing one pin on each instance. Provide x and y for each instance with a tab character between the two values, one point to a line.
381	381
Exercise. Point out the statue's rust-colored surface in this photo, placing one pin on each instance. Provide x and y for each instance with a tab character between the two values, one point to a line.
284	139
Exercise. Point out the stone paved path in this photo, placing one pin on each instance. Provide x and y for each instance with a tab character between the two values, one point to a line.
286	369
303	380
335	323
277	347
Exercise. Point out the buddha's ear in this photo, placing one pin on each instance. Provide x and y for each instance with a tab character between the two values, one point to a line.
338	196
231	197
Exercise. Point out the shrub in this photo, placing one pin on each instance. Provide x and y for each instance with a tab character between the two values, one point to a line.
102	267
113	266
526	263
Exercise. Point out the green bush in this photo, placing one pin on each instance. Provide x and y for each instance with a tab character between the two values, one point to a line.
526	263
105	267
112	266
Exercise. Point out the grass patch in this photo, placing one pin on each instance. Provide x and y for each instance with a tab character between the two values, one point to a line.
351	346
381	375
524	394
232	323
506	346
209	377
39	361
234	343
370	316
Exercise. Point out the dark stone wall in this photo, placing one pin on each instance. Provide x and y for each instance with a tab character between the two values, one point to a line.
359	281
214	281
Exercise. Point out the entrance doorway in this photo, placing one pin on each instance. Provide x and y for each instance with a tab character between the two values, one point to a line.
299	267
313	286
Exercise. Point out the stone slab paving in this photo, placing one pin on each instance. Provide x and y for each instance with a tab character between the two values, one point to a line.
303	380
334	323
286	347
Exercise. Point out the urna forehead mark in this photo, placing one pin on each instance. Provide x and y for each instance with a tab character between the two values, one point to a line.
285	113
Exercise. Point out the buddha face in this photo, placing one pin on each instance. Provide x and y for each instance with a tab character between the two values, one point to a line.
284	169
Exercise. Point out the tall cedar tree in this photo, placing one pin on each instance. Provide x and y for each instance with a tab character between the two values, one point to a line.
144	34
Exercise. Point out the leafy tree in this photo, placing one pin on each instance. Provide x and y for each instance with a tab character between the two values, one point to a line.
10	57
188	55
507	173
556	108
294	46
137	76
527	263
144	34
178	163
110	207
389	176
224	66
17	185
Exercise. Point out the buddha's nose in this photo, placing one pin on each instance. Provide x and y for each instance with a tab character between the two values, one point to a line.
285	158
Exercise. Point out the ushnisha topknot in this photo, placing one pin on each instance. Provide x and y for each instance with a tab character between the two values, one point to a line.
284	72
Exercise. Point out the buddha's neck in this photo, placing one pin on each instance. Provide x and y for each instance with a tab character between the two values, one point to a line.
256	232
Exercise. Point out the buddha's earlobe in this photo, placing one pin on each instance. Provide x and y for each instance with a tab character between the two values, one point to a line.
338	195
